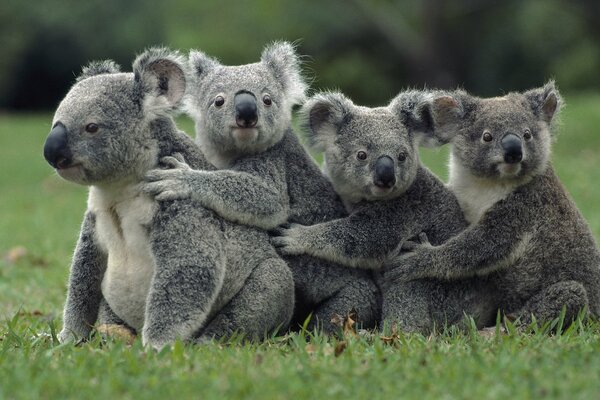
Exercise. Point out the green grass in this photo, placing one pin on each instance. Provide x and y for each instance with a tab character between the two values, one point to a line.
41	214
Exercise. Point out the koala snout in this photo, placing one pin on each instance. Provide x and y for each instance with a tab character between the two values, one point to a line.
246	112
385	172
56	150
513	149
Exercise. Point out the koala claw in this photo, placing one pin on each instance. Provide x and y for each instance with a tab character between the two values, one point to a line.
176	161
163	186
285	245
66	336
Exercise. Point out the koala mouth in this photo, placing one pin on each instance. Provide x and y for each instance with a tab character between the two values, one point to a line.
378	191
73	172
509	170
245	134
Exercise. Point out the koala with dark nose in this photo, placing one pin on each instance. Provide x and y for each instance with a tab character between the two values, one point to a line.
169	269
526	235
266	177
371	157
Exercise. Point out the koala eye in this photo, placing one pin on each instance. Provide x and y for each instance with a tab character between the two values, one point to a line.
527	134
91	128
402	157
267	100
219	101
487	137
361	155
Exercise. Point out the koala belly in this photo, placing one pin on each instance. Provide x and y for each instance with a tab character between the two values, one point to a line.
123	231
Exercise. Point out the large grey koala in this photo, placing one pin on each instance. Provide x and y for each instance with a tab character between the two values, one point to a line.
372	159
167	269
243	126
525	232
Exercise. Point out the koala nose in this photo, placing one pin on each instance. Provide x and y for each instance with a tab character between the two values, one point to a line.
56	151
385	173
246	115
513	151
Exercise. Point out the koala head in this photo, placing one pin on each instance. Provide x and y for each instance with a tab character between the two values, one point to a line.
370	153
101	131
506	138
244	109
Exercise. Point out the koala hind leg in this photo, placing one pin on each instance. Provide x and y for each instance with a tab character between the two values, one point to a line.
548	303
265	303
407	305
423	305
360	296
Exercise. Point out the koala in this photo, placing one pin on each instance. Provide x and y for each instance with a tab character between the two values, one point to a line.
166	269
525	233
265	177
371	157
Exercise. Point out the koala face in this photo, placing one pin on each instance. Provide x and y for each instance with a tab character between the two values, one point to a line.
506	138
370	153
100	131
91	140
244	109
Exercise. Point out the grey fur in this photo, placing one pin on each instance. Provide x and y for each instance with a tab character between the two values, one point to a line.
269	179
379	218
168	269
526	234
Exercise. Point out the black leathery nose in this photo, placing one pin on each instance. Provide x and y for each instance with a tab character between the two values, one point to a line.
56	150
246	110
513	148
385	172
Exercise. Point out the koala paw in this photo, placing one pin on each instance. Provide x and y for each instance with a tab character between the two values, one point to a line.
176	161
156	344
167	184
67	336
288	239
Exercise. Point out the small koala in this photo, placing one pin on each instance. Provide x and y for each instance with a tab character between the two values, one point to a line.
525	235
371	157
168	269
265	178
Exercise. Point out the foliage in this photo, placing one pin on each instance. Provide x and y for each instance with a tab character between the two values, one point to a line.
370	49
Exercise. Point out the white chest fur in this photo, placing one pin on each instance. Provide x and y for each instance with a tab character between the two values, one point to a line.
123	218
476	195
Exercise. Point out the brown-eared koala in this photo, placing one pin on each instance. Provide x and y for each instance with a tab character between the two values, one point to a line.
168	269
525	232
371	157
266	177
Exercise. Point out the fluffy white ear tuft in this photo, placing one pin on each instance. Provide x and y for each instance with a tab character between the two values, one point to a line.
285	65
160	79
545	102
321	117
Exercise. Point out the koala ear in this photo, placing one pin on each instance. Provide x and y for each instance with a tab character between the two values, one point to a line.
545	101
99	68
322	115
201	64
284	63
413	109
161	79
439	118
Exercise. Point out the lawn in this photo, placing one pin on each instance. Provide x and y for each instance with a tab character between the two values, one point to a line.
39	221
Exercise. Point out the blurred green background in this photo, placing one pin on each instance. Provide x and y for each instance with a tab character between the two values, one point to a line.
368	49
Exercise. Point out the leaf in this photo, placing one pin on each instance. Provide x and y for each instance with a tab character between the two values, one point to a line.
346	322
340	347
393	337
